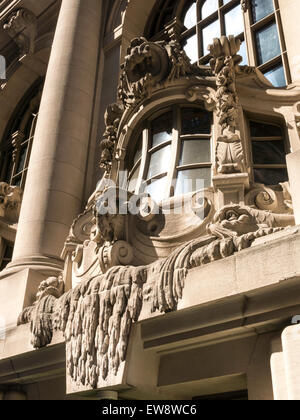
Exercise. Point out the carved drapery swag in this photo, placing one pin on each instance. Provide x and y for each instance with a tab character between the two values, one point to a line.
96	316
224	64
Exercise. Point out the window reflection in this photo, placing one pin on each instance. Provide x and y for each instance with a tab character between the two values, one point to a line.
267	42
261	9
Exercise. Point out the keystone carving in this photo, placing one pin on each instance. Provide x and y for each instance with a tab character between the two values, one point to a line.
10	202
97	315
224	64
149	64
21	26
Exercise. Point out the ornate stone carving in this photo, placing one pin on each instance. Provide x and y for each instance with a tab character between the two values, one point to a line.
149	64
200	93
21	27
224	64
245	5
112	120
10	201
40	314
275	199
97	315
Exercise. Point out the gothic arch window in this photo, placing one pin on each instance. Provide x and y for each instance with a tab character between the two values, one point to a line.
15	148
173	153
256	23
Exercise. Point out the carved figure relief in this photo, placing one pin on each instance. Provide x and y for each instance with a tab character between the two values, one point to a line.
224	64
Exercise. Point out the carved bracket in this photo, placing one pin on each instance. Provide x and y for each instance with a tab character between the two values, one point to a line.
21	26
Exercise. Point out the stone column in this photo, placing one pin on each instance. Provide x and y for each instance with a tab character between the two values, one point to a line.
291	351
54	187
289	11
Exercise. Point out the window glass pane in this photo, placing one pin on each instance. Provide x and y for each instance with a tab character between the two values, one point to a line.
190	19
276	76
191	48
139	149
158	162
267	43
195	122
195	151
261	9
162	129
234	22
243	53
209	33
22	159
157	189
192	180
209	7
264	130
268	152
133	180
270	176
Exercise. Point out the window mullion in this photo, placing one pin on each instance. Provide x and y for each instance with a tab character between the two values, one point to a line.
144	160
175	151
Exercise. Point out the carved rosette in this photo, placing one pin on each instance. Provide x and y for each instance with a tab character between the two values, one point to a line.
224	64
21	26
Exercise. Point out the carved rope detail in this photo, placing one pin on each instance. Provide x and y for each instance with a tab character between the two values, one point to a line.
224	64
96	316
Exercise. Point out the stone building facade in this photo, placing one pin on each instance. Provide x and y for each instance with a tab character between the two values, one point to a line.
149	201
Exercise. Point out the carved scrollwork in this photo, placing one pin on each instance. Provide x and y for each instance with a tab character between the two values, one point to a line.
224	64
275	199
149	64
205	94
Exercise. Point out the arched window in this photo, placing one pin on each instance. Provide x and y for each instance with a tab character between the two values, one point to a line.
16	146
172	155
257	24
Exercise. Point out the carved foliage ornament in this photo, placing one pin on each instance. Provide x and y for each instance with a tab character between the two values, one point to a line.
112	120
224	64
148	64
21	26
97	315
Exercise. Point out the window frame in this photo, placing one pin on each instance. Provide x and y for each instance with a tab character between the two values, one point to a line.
176	141
268	120
4	245
182	6
18	137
